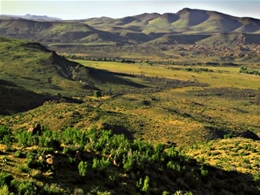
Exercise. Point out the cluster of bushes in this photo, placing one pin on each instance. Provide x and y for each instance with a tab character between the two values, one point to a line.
198	70
166	83
100	161
245	70
105	59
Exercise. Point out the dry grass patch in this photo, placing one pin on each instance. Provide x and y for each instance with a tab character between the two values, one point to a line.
235	154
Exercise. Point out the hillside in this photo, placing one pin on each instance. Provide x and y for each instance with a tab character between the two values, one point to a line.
197	26
155	128
42	70
136	93
99	162
45	71
30	68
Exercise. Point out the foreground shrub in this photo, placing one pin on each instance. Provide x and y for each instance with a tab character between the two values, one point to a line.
82	167
4	190
24	187
5	178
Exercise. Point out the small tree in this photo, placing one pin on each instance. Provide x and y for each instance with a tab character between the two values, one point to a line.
4	190
145	187
82	167
98	94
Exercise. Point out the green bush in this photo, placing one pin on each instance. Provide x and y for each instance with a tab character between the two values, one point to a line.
5	178
82	167
145	187
3	131
5	135
101	164
19	154
4	190
203	171
52	189
24	169
26	139
25	187
98	94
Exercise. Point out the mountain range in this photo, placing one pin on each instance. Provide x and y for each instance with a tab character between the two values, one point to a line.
187	26
33	17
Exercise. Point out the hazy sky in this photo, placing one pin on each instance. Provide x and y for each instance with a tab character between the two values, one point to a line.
87	9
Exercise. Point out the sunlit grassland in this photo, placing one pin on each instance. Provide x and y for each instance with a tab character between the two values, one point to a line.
153	123
236	114
207	108
220	77
182	115
236	154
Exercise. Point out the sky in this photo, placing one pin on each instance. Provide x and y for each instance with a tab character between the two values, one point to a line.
69	9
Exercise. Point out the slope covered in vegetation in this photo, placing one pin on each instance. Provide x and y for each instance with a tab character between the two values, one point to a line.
170	106
99	162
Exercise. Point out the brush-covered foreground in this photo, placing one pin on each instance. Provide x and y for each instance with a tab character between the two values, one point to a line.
100	162
189	109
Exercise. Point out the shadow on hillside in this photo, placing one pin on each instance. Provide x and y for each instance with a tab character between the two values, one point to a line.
149	84
105	76
7	83
14	99
251	95
217	132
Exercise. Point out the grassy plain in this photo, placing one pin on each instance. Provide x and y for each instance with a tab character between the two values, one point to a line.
138	99
221	76
229	101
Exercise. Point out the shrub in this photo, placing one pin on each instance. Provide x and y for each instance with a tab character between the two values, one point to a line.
145	187
3	131
98	94
82	167
101	164
52	189
4	190
19	154
25	187
26	139
165	193
104	193
128	163
24	169
5	178
203	171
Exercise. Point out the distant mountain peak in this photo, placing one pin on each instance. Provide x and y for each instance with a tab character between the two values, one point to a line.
40	17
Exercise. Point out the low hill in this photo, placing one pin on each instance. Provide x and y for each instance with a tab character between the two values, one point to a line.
42	70
45	71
